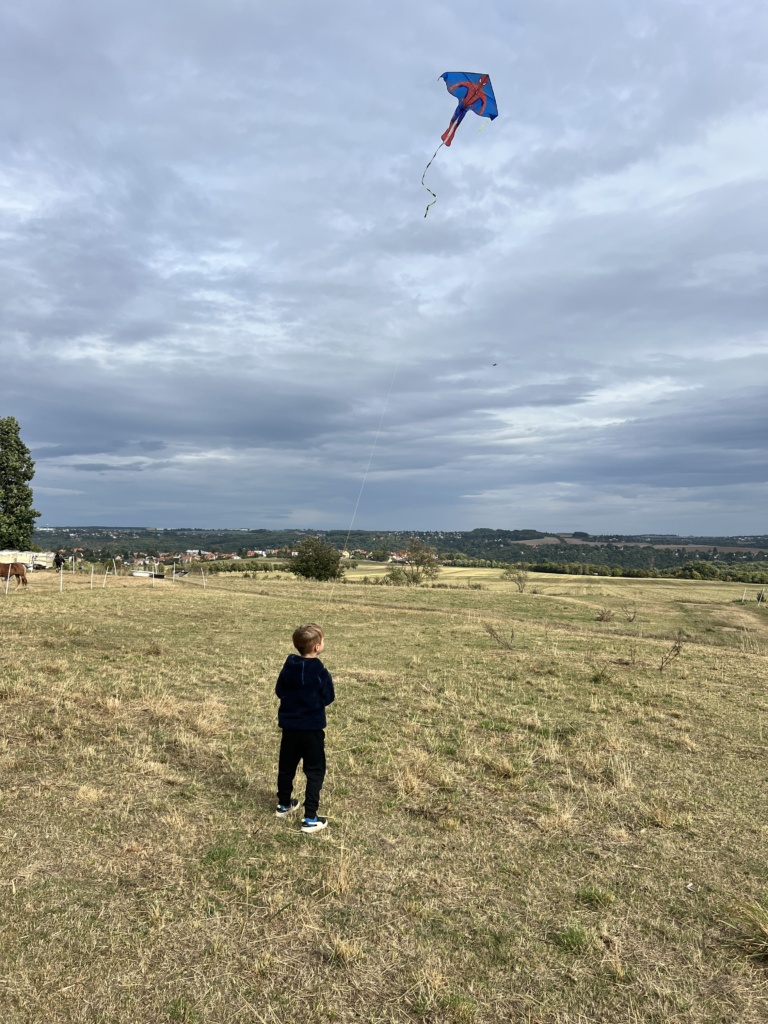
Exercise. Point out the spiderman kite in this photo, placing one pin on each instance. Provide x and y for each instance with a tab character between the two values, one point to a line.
474	92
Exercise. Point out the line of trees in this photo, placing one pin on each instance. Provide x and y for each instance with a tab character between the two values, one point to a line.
475	547
693	570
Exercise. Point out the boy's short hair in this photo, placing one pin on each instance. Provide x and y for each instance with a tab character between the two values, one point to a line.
307	637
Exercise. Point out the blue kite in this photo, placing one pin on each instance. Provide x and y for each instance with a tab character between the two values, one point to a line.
474	92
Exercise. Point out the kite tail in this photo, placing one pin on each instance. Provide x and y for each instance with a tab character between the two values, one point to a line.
434	197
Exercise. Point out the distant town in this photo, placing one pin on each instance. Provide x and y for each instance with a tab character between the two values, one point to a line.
726	557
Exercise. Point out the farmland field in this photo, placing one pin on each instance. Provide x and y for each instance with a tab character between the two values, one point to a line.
547	806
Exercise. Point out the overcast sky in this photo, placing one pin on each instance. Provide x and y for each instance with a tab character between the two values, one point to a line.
222	303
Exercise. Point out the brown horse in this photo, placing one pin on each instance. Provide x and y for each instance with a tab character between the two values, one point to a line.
17	569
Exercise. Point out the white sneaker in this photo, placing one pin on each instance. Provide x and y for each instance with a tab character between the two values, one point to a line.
283	812
311	825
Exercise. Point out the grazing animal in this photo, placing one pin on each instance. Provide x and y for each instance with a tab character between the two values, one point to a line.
17	569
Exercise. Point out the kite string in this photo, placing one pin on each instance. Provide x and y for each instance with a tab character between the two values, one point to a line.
434	197
365	474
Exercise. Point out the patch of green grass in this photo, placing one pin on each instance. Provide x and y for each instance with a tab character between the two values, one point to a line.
220	854
494	726
595	897
181	1011
574	938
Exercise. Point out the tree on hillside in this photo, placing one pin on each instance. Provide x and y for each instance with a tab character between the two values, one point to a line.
419	564
317	560
17	517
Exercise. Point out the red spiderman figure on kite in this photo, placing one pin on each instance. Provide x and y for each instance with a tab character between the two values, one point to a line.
474	92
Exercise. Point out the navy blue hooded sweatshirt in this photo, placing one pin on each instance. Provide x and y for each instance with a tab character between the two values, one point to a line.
305	689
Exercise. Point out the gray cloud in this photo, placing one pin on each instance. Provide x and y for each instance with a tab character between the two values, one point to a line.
218	287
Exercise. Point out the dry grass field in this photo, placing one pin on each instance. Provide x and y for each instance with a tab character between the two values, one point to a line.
530	819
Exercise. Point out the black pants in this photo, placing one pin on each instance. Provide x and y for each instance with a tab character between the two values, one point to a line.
307	746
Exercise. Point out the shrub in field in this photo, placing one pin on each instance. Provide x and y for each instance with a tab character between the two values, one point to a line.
419	564
674	651
630	611
507	642
517	574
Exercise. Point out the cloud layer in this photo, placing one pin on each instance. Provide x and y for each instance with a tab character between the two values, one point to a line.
222	305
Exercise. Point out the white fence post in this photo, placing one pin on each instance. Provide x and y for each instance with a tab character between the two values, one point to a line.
7	580
91	577
202	573
61	577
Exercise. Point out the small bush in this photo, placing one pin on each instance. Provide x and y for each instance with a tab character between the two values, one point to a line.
498	638
630	611
675	650
600	676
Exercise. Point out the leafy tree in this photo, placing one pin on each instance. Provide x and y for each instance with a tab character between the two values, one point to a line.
17	517
420	564
517	574
317	560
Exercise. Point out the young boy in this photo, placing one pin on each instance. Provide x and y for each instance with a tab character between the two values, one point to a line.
305	689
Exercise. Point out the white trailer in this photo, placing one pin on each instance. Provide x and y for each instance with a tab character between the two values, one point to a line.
31	559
